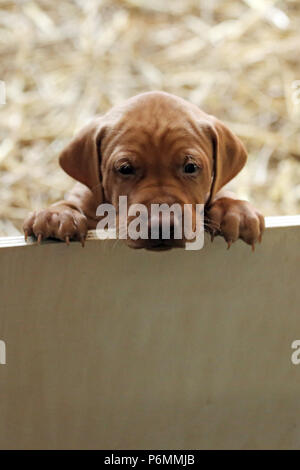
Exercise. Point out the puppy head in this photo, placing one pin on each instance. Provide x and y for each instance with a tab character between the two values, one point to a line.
155	149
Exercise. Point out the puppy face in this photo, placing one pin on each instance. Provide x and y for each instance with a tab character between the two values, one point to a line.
155	149
157	158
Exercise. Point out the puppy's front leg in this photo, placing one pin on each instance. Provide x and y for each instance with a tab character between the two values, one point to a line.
65	220
233	218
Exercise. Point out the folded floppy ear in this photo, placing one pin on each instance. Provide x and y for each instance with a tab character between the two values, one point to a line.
81	158
229	156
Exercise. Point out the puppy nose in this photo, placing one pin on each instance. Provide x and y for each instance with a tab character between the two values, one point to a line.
162	230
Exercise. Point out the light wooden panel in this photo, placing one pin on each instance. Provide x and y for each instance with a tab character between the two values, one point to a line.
109	348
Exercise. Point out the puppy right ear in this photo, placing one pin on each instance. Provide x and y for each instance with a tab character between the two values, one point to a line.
229	155
81	159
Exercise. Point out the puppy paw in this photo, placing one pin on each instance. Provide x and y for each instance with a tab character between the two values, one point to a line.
233	219
59	222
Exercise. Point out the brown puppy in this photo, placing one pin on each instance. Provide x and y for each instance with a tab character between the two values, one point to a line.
155	148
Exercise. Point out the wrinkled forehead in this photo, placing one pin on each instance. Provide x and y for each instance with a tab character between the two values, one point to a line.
171	132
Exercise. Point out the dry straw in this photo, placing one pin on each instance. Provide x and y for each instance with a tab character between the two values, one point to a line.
64	61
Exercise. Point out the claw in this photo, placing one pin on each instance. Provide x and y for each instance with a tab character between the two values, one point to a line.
39	238
67	240
25	235
253	246
259	238
212	236
229	243
82	241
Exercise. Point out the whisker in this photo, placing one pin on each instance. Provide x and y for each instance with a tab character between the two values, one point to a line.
211	224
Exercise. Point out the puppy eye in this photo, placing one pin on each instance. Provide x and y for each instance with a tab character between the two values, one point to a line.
126	169
190	168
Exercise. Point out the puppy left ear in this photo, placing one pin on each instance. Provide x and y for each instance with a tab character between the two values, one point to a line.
229	156
81	159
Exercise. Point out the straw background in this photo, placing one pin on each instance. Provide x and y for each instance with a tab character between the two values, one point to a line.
64	61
